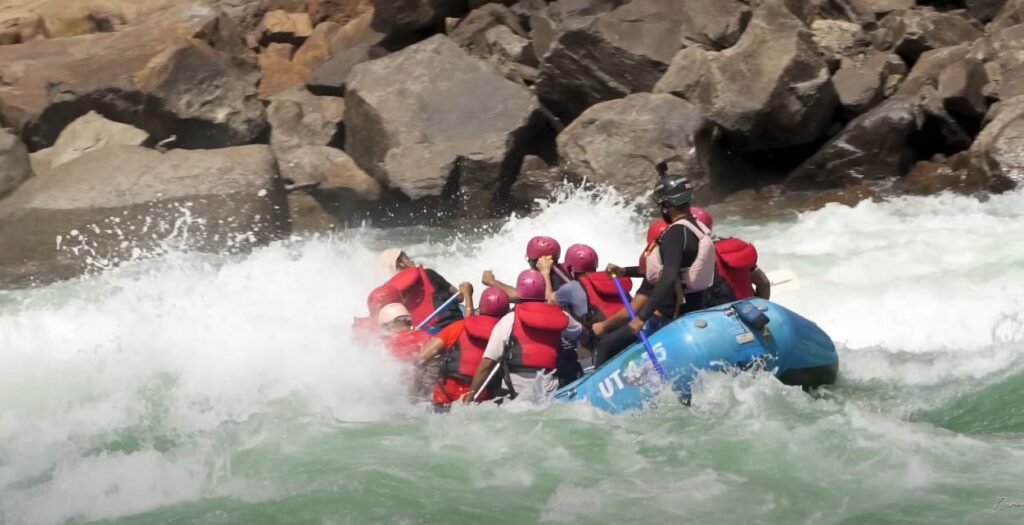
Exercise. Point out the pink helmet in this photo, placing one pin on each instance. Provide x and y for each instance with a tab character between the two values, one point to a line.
656	229
494	302
530	286
541	246
382	295
702	215
581	258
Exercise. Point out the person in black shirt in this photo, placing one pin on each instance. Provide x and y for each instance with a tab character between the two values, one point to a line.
678	248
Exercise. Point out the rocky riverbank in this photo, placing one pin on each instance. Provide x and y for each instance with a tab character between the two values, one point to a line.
135	126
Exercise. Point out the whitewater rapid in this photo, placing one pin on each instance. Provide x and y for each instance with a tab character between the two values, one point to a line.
216	389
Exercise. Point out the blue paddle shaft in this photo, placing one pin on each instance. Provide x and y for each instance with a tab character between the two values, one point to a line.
643	336
439	308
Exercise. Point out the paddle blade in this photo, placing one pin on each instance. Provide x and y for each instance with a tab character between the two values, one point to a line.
783	282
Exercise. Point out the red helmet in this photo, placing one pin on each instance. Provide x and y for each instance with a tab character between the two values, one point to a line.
380	296
542	246
581	258
530	286
494	302
656	229
702	215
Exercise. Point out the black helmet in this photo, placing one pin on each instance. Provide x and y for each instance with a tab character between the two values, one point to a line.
673	189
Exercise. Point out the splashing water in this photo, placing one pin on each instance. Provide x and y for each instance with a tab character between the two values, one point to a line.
223	389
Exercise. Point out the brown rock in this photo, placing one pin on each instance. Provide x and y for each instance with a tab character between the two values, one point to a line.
328	170
1005	63
15	166
87	133
338	11
929	178
847	197
996	152
770	90
864	82
838	39
911	33
619	143
1010	15
316	50
299	118
330	78
307	216
279	26
470	32
961	88
984	10
144	75
881	7
278	72
20	28
412	15
926	71
120	203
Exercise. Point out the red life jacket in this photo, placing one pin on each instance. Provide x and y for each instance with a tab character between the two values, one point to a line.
536	334
467	352
735	259
406	345
364	328
602	294
417	293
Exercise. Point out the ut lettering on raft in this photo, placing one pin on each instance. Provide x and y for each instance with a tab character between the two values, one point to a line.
637	372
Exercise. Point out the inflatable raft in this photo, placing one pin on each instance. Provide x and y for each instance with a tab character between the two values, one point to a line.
732	336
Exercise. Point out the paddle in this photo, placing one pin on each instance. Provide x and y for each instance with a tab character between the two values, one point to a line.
439	308
783	281
641	334
497	366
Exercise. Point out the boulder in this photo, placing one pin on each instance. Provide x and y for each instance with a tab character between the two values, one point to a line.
984	10
330	78
537	181
506	45
452	123
770	90
881	7
87	133
875	145
864	82
911	33
996	152
1010	15
619	143
851	197
21	27
327	170
144	75
69	18
299	118
363	30
470	33
930	177
926	71
1005	65
277	71
609	56
316	50
714	24
413	15
337	11
838	39
961	86
15	166
284	27
122	202
548	22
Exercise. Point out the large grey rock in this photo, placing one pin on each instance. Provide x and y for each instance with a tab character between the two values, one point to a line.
299	118
450	123
471	31
1005	67
547	24
330	78
609	56
123	202
883	6
715	24
87	133
145	75
15	166
926	71
770	90
838	39
863	82
961	88
998	151
619	142
911	33
876	145
411	15
327	170
984	10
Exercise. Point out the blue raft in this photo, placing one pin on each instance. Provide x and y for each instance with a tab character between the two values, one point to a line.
792	347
